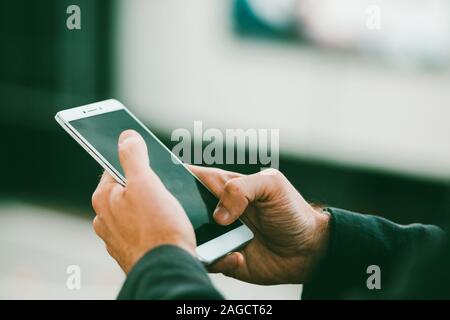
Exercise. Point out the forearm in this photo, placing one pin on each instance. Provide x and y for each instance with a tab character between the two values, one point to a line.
168	273
359	241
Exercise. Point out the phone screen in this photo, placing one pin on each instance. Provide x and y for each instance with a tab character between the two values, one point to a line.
103	131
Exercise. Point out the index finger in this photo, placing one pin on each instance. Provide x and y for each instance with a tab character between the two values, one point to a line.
213	178
104	187
106	179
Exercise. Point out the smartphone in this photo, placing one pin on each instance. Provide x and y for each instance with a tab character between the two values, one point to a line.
96	127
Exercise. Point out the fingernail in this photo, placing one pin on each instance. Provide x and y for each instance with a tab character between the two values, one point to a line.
127	135
221	214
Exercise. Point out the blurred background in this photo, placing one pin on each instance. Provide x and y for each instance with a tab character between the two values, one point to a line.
359	89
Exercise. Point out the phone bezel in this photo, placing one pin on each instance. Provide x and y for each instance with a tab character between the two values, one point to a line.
207	252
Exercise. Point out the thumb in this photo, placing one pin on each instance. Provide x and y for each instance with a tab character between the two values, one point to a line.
133	154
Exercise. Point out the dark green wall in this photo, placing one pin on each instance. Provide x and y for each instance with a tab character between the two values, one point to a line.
44	67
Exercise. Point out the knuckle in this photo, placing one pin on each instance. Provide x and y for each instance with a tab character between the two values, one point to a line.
97	199
233	186
100	199
96	224
274	174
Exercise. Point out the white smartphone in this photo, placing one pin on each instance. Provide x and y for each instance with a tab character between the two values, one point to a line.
96	127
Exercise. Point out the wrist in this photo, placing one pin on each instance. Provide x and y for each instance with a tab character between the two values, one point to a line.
322	233
185	245
319	241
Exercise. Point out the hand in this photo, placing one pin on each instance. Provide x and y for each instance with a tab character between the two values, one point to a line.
141	216
290	235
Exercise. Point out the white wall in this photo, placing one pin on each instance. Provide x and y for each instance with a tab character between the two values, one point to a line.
38	244
179	62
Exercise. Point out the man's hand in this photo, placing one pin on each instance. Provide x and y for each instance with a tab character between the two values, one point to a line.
141	216
290	235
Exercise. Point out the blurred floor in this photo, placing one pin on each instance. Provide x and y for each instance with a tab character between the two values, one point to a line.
38	244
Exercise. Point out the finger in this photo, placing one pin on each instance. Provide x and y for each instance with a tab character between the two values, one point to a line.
116	197
106	179
213	178
133	155
100	228
232	265
225	264
238	193
100	197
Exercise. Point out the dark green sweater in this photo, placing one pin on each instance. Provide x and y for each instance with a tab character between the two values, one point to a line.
413	262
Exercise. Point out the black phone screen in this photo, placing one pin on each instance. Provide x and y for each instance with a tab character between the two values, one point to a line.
103	131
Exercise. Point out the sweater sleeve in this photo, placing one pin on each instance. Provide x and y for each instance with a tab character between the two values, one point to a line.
359	241
168	273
